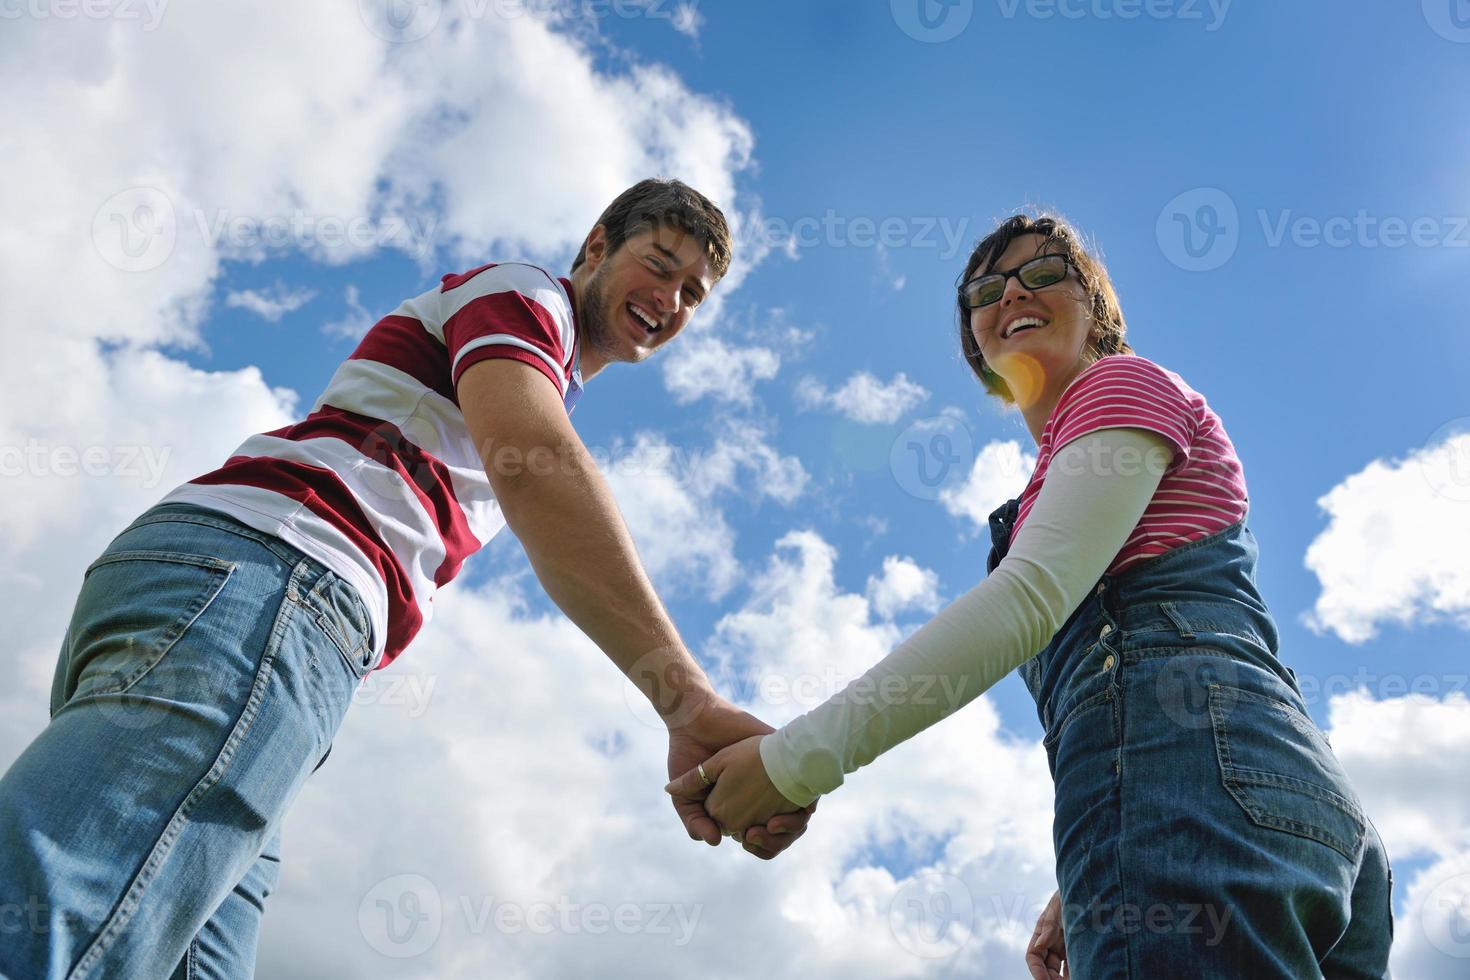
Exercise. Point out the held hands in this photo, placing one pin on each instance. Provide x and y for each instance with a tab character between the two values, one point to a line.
739	795
712	727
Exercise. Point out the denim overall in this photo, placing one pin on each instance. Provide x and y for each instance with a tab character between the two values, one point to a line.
1203	826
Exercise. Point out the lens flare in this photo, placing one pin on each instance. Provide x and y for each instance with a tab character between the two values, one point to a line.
1024	375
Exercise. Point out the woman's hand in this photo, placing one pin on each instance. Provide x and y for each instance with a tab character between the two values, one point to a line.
1046	954
713	725
742	795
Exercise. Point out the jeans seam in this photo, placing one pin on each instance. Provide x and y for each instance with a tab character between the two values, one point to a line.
1118	777
133	895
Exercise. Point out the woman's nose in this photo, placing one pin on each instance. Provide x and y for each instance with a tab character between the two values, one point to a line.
1014	290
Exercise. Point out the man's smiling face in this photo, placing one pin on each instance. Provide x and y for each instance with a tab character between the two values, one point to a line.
638	298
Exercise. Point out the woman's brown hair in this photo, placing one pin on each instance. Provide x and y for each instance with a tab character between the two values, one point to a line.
1060	238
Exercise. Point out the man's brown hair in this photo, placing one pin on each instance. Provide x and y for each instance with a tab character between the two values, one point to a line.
669	203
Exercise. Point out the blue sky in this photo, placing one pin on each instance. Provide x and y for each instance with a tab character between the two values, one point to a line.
1281	195
1319	358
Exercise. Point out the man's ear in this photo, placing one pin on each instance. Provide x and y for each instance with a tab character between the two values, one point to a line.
595	247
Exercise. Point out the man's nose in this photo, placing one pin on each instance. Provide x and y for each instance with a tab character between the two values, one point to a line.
668	298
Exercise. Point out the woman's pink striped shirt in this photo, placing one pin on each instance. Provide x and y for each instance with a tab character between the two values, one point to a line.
1203	489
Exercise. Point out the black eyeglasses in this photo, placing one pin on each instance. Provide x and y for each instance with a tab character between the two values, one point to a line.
1040	272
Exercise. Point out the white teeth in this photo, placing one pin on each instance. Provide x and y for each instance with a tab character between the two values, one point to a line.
653	326
1025	321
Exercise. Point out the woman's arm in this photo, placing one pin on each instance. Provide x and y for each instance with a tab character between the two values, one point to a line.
1093	496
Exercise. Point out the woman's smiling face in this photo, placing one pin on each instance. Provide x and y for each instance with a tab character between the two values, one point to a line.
1034	339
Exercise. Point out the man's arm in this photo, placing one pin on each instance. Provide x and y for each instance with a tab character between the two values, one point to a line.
560	507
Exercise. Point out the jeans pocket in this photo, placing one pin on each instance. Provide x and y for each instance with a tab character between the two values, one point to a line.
1277	765
340	613
132	609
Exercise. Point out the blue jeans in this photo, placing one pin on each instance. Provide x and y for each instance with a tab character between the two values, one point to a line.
203	676
1203	827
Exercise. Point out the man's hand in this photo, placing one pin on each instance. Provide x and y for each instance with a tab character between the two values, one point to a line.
715	726
740	796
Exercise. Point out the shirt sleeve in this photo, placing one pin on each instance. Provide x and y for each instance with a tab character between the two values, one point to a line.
1080	520
1126	391
510	311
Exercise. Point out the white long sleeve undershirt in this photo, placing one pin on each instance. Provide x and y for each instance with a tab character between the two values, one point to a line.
1083	514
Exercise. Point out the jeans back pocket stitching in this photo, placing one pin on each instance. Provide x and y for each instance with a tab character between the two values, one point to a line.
1238	789
219	576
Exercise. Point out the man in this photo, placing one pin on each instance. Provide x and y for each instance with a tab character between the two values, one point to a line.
216	644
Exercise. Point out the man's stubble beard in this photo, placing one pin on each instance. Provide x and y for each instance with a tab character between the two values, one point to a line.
595	328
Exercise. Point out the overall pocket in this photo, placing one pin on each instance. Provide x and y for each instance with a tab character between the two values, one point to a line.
132	609
1278	766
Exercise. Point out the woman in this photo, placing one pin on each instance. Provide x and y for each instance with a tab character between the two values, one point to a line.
1202	825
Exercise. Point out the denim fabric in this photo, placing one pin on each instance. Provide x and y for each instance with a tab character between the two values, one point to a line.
203	676
1203	826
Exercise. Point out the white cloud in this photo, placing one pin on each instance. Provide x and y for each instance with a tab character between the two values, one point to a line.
1406	757
999	473
1431	941
272	303
903	585
743	447
357	321
670	496
863	397
552	801
702	365
174	161
1394	550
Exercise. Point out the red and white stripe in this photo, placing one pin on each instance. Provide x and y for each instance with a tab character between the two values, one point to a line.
381	482
1203	490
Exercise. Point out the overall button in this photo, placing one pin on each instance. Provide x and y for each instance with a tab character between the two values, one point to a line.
1107	628
1100	588
1108	662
